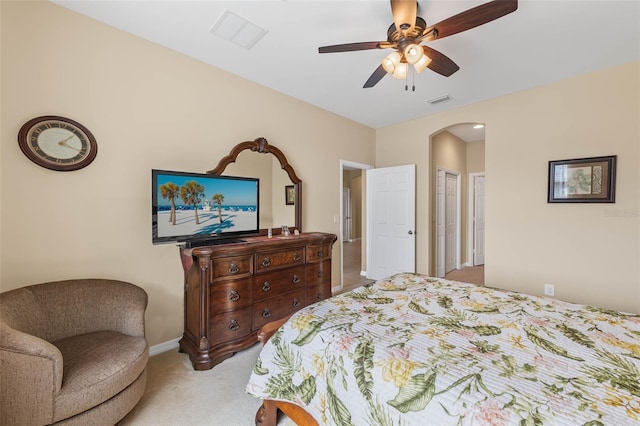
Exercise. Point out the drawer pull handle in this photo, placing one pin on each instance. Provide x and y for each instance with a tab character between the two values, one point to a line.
233	325
233	269
266	286
297	257
320	253
319	274
266	313
234	296
296	279
296	303
266	262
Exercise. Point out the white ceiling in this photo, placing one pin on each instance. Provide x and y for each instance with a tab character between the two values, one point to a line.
542	42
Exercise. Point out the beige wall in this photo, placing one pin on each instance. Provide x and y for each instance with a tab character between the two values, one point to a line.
589	251
475	157
148	107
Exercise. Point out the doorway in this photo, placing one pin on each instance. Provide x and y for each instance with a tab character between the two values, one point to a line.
352	224
448	230
476	219
457	149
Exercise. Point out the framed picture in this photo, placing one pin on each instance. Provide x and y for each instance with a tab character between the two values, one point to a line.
583	180
289	195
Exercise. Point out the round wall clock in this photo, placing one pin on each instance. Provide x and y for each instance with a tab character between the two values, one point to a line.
57	143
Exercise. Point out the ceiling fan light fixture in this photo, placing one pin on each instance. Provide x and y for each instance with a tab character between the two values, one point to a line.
401	71
413	53
390	62
422	64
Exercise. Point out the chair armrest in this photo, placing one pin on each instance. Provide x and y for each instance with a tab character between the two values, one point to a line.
32	369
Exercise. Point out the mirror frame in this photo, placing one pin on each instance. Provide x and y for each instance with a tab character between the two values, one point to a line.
260	145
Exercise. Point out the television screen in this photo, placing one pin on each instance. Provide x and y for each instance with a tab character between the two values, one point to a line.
195	206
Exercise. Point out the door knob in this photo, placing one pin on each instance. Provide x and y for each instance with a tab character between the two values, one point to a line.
410	232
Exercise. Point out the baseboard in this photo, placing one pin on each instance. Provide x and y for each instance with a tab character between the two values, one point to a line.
164	347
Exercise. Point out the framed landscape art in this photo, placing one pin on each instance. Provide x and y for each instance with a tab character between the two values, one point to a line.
582	180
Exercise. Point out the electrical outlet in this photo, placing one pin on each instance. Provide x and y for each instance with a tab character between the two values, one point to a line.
549	290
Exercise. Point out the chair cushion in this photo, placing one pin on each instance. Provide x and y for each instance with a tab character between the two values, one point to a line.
96	366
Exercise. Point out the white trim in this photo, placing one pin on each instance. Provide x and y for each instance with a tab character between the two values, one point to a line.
164	347
458	212
470	208
353	165
363	273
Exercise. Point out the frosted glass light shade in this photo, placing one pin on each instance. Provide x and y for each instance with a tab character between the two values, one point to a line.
390	62
400	71
413	53
422	63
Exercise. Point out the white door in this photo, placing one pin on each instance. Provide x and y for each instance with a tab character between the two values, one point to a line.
346	214
391	215
478	223
440	228
451	223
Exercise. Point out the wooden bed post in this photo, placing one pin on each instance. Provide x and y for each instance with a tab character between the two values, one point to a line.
267	414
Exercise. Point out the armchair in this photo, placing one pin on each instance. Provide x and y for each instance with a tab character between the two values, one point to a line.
72	352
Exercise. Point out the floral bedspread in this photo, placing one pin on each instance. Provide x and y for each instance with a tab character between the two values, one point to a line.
415	350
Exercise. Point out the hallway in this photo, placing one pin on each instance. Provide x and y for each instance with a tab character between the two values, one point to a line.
352	255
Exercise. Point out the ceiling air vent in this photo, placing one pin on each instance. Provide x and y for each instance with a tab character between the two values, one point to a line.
238	30
438	99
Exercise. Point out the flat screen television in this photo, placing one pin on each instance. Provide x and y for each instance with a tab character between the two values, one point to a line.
198	208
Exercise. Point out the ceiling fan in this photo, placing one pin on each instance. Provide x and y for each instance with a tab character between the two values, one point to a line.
408	31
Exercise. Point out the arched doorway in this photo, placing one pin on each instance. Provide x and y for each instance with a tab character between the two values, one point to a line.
456	160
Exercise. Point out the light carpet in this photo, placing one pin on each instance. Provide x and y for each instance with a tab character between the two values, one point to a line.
176	394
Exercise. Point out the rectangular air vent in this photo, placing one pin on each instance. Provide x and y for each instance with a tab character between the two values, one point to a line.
238	30
438	99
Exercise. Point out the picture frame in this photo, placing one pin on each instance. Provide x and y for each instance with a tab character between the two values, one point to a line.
582	180
289	195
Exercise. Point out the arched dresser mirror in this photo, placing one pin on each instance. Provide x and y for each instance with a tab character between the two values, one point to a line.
279	184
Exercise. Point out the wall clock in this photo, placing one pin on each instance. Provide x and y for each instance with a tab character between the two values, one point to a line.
57	143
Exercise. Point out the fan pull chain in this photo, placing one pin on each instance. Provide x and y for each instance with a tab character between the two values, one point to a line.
413	80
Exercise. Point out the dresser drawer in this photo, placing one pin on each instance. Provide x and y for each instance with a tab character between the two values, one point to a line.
230	295
318	293
230	325
317	252
318	273
277	282
231	267
271	260
277	307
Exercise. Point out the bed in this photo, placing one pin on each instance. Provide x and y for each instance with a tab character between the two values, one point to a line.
416	350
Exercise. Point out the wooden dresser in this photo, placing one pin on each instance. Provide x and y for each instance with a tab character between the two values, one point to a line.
231	290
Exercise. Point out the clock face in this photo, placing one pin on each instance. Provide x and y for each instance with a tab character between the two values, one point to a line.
57	143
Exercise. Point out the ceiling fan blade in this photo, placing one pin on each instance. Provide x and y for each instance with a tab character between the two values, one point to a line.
404	13
350	47
375	77
471	18
440	63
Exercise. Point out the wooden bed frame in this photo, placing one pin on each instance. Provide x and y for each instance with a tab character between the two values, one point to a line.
267	414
